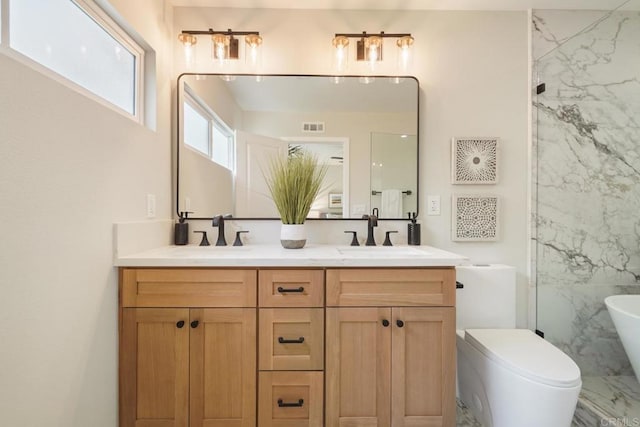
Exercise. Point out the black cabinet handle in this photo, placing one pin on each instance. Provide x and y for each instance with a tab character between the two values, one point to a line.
281	340
195	324
180	324
284	290
283	404
459	285
385	323
400	323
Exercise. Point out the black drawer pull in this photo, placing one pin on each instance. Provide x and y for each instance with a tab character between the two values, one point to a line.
281	340
180	324
283	404
285	290
195	324
385	322
400	323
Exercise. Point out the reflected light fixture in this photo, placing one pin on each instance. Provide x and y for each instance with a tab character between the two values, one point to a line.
225	44
369	48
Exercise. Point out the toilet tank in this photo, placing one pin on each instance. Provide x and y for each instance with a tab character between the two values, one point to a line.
488	296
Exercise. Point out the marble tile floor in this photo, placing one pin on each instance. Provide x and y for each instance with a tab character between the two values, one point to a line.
464	418
612	401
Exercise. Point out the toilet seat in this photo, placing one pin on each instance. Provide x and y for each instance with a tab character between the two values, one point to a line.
526	354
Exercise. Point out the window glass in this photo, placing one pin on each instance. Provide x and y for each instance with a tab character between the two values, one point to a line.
221	146
59	35
196	129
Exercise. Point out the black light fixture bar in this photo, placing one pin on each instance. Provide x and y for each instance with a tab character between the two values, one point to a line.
229	32
365	34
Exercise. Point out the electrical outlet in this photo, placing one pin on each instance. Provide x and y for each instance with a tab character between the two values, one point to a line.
433	205
151	205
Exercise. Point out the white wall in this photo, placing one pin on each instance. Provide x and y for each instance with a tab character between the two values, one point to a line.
69	169
472	68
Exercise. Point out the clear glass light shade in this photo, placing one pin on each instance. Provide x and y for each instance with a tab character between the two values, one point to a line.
253	50
373	50
404	53
340	54
220	47
188	43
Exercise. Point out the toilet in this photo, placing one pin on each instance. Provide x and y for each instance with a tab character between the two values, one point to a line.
507	377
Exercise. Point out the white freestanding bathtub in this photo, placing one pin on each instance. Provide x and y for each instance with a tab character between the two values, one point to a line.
625	312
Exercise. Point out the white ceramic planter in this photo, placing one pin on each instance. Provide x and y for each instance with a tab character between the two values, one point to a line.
293	236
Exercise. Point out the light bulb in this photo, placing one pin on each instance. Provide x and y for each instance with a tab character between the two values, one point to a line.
404	53
252	51
373	46
341	55
188	43
220	47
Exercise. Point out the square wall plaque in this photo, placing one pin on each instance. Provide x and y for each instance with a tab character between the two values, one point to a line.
475	218
474	160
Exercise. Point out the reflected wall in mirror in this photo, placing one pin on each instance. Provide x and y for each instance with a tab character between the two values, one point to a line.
394	188
229	127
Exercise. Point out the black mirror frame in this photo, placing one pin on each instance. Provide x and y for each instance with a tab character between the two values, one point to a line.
177	146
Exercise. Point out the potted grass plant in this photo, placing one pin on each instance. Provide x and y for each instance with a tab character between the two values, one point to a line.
294	184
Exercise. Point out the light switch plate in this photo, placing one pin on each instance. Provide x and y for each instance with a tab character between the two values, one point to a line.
151	206
433	205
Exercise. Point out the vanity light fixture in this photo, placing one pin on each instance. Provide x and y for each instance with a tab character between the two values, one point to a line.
225	44
369	48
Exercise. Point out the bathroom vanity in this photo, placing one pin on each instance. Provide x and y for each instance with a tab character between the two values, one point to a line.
323	336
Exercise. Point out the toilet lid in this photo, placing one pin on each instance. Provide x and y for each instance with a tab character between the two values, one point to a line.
523	352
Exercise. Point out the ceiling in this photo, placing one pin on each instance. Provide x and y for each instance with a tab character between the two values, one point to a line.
410	4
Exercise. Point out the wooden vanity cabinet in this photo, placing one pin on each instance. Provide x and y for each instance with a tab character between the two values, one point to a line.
390	357
335	347
192	366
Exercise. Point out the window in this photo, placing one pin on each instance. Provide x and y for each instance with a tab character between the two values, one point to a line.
205	132
196	129
78	41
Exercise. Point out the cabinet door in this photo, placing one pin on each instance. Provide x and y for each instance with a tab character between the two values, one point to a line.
223	367
423	367
154	367
358	352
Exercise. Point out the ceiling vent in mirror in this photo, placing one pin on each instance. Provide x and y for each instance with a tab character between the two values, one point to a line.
313	127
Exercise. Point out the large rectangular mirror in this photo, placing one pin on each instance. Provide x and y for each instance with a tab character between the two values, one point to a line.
365	129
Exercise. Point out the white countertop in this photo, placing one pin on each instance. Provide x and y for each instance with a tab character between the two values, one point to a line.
276	256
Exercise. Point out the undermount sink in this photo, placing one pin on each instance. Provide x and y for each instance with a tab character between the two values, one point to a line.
382	251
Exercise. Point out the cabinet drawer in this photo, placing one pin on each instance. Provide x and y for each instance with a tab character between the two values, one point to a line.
189	288
291	288
291	339
391	287
290	399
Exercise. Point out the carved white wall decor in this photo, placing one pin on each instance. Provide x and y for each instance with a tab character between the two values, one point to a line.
475	218
474	160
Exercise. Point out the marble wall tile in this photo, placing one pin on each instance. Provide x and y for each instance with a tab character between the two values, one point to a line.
586	155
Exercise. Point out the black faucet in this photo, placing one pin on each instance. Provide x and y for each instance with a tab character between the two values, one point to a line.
218	221
372	221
